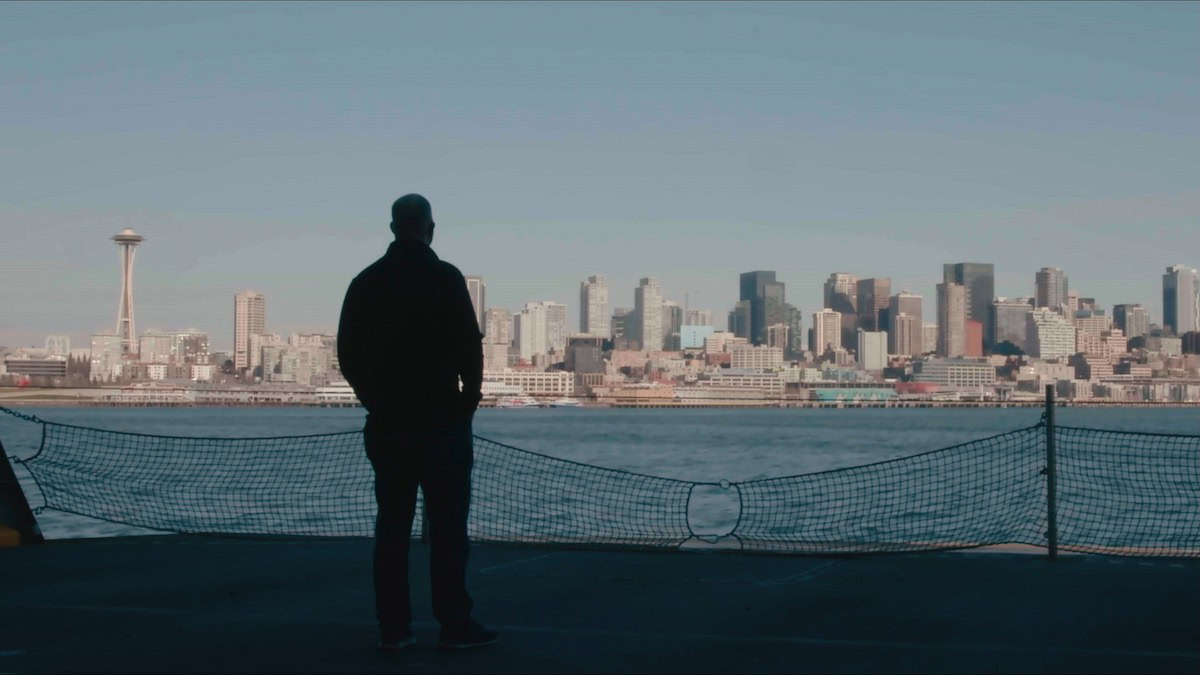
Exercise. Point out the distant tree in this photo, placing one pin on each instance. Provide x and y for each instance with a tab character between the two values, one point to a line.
227	367
1007	348
258	371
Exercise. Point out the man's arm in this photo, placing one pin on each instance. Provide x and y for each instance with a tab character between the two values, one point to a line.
468	339
350	343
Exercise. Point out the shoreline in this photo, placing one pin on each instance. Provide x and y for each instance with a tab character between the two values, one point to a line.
65	402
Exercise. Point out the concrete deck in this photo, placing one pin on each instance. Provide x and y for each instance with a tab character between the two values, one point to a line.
198	604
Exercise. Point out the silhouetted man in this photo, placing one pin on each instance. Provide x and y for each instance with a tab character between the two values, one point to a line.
408	334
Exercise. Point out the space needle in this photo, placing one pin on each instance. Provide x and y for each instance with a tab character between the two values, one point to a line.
127	240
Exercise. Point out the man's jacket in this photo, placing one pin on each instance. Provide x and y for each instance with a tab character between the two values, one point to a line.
407	334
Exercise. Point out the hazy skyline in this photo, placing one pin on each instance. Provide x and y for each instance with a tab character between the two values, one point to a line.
260	146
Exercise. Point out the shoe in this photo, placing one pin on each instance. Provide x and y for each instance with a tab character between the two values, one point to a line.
394	642
465	637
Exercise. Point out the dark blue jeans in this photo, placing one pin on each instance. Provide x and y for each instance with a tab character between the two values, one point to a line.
439	460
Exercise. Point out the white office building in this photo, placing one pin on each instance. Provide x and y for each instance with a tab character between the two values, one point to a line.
249	318
1048	334
872	350
594	317
826	331
647	310
756	358
955	373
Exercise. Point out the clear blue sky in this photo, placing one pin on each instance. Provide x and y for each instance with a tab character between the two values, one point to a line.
260	146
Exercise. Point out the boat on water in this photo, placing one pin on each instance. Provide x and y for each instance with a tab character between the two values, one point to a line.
565	403
516	402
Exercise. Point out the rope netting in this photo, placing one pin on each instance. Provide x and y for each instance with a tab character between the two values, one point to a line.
1119	493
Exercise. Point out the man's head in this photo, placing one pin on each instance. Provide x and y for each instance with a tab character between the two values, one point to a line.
412	218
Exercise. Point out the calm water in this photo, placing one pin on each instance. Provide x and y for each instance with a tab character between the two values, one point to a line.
696	445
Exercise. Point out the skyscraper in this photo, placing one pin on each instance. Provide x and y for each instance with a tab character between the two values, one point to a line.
477	290
540	327
739	319
621	326
556	328
912	343
647	311
698	317
871	350
841	295
672	322
904	335
872	303
497	326
127	241
1132	319
979	282
1048	334
766	297
1051	289
249	318
1181	299
1009	322
952	320
826	331
594	318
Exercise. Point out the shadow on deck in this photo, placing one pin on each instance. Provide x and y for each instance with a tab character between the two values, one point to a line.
200	604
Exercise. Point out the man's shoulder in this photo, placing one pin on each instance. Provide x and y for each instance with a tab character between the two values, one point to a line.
448	270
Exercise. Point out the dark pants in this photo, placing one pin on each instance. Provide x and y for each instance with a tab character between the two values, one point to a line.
439	460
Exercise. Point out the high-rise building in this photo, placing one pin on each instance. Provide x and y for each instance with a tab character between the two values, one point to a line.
529	330
556	328
929	337
739	319
672	323
698	317
795	323
497	326
647	311
1132	319
841	295
249	318
905	335
478	290
766	297
594	318
1008	320
912	343
1051	288
973	338
778	336
872	303
1092	321
1181	299
620	325
952	320
872	350
261	341
979	282
826	331
1048	334
127	241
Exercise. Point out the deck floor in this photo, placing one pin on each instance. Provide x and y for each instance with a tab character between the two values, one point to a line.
202	604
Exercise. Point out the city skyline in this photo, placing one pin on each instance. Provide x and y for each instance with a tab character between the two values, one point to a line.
836	285
726	137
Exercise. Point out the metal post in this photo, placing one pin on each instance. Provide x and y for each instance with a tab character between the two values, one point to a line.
1051	478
